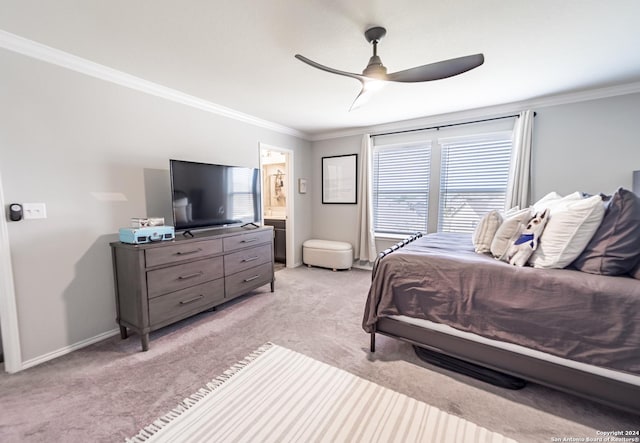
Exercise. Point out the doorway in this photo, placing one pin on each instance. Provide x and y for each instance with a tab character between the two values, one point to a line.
276	166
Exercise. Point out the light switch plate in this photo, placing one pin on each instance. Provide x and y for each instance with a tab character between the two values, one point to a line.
33	211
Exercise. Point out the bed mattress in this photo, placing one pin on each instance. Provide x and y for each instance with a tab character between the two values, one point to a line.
564	313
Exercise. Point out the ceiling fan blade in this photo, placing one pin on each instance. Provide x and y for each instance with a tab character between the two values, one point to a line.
439	70
369	87
328	69
362	98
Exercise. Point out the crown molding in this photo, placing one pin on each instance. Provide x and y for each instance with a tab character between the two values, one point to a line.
487	112
30	48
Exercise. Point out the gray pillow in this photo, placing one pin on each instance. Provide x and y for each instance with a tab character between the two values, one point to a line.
615	247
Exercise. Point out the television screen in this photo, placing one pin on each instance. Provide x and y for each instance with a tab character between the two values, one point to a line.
208	195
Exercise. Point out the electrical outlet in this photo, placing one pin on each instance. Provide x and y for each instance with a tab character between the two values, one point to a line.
33	211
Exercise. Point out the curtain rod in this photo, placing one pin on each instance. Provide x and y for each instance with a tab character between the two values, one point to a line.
447	126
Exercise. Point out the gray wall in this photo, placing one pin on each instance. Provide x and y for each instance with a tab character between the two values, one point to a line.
334	221
64	139
591	146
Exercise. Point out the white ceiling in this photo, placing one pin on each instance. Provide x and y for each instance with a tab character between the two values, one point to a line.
240	53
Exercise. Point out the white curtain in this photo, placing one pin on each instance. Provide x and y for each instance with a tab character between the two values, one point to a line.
366	247
519	186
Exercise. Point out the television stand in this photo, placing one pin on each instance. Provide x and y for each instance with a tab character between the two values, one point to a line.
249	224
188	234
157	284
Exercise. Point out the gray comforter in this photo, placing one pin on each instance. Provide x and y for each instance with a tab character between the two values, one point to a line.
583	317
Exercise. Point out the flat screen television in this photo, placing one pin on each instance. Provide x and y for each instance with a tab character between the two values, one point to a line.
208	195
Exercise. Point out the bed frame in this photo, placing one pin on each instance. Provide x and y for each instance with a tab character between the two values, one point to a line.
615	393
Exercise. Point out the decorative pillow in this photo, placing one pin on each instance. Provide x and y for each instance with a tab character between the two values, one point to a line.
509	212
544	201
485	231
520	251
553	198
615	247
508	232
571	226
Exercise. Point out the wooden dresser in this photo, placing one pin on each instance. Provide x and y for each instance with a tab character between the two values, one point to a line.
160	283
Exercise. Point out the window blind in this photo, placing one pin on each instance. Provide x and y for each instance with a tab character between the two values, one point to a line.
242	181
473	180
401	188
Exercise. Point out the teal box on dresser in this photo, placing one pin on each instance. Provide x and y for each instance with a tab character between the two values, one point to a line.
137	236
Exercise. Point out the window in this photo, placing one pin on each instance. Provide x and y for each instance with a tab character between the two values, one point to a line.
473	179
401	188
242	202
466	173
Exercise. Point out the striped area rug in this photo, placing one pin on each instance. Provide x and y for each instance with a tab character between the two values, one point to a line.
278	395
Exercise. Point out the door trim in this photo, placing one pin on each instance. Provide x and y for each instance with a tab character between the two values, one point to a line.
290	232
8	311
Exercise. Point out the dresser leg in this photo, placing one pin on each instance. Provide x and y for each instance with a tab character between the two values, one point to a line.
123	332
273	285
144	338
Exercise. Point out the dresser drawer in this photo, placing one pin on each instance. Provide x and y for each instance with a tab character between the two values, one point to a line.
182	303
246	240
245	259
179	252
162	281
247	280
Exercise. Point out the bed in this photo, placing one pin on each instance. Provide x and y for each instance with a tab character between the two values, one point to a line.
573	331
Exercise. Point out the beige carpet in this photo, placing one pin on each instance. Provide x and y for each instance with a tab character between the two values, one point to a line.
278	395
110	390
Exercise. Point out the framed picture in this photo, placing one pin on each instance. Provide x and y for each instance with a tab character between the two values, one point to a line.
302	185
339	179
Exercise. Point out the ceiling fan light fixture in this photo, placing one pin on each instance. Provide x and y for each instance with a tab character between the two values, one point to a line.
373	85
375	69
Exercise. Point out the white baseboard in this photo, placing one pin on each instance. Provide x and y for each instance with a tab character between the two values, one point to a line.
68	349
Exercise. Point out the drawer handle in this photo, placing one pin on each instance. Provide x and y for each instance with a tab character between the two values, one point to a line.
251	278
244	260
188	252
195	274
248	240
186	302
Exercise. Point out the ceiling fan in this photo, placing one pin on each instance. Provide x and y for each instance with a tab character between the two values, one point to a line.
376	74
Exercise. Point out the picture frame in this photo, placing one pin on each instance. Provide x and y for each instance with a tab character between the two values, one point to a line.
339	179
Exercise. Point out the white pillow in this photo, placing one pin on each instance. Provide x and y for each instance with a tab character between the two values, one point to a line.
508	232
509	212
571	225
485	231
551	196
552	199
